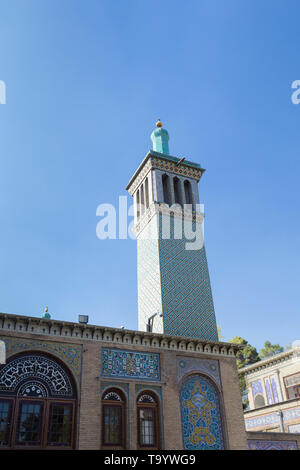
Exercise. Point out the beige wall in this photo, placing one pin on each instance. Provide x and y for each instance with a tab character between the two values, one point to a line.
286	365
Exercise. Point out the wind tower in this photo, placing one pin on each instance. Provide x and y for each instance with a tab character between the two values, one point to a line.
174	292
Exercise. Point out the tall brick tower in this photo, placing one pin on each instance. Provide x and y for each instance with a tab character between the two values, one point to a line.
174	292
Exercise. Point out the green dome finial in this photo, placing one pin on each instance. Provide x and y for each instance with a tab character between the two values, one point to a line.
160	139
46	314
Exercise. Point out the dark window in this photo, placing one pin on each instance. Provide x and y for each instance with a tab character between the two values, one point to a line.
147	413
60	426
138	204
142	200
188	192
177	192
147	193
113	418
112	425
293	392
29	423
292	385
147	426
34	410
259	401
166	191
5	416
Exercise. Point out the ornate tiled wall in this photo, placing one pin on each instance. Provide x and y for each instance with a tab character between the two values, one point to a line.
294	428
209	367
71	354
272	418
149	285
268	391
274	389
200	414
43	374
130	364
272	445
175	281
121	385
257	388
140	387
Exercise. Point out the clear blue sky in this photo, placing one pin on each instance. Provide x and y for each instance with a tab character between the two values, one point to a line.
86	81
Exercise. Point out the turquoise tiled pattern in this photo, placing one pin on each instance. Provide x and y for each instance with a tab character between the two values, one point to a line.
130	364
186	365
145	387
200	415
122	386
175	281
272	445
71	354
148	270
186	293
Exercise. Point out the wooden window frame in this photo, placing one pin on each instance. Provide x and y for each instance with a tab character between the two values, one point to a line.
47	403
17	422
8	431
51	404
122	430
155	408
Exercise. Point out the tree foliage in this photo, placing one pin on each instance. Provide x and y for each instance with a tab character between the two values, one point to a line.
270	349
220	337
246	356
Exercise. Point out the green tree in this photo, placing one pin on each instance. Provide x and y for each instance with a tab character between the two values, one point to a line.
220	337
270	349
246	356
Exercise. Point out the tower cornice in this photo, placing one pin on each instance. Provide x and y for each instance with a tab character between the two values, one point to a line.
164	162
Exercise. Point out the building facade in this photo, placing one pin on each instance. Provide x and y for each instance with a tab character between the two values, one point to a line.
273	387
68	385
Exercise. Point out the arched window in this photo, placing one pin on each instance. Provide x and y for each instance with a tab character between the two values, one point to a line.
147	192
148	421
138	204
142	206
200	414
259	401
188	192
37	403
113	419
177	193
166	191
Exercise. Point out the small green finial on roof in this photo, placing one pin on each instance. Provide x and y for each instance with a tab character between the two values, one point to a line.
46	314
160	139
